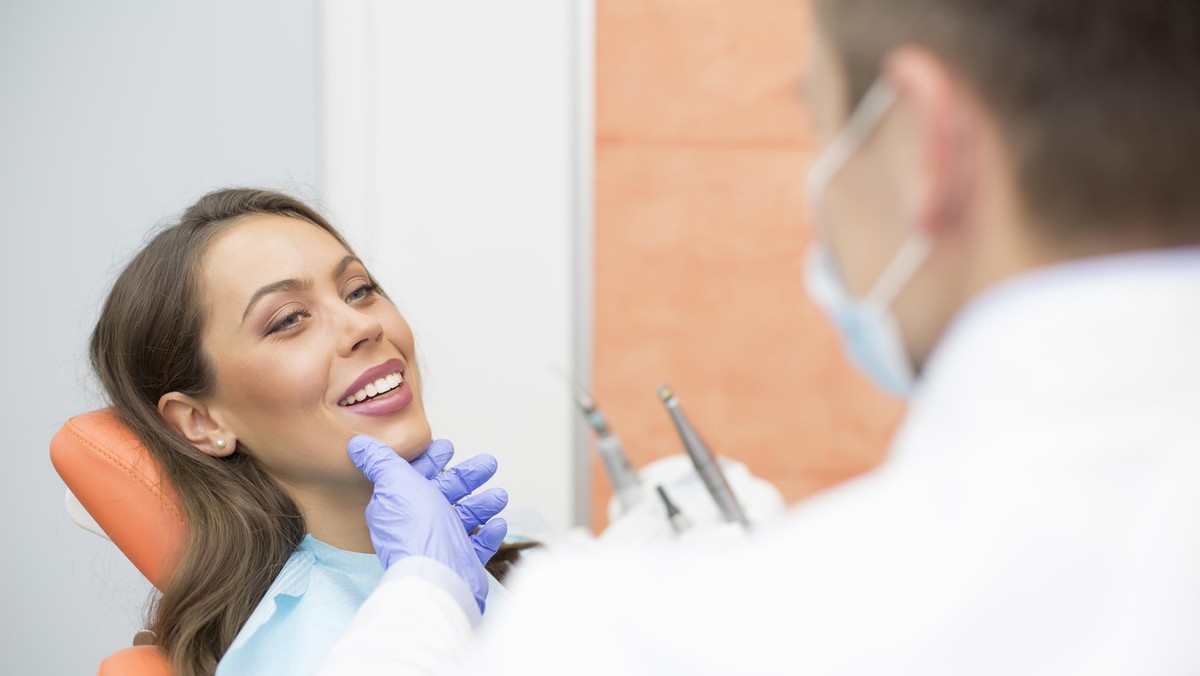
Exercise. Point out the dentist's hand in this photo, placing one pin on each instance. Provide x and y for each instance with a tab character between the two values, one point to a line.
457	485
412	512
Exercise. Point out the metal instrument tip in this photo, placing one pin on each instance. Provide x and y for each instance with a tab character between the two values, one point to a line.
584	400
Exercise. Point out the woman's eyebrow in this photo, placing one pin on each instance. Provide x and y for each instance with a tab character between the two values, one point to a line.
295	284
343	264
281	285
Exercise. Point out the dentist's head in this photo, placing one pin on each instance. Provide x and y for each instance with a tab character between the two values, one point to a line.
957	157
245	345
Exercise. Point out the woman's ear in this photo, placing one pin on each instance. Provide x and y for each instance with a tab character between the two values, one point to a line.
192	419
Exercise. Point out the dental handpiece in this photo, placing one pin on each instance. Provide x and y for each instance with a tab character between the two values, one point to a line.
706	464
625	481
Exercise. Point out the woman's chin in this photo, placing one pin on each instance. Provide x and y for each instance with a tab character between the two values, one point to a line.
409	438
410	447
408	442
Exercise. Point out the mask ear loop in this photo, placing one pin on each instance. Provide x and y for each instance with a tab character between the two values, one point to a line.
874	105
910	257
870	111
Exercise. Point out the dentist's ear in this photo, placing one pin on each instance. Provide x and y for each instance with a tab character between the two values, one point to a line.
940	114
194	421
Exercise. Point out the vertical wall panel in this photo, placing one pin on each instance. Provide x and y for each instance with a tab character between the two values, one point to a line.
448	154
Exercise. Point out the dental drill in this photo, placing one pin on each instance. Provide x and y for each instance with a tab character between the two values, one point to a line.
625	481
706	464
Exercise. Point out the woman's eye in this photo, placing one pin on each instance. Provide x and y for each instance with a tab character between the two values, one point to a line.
288	322
361	292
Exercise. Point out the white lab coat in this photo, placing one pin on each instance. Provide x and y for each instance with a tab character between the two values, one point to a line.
1039	513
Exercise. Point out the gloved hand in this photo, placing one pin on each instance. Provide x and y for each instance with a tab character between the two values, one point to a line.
457	485
417	511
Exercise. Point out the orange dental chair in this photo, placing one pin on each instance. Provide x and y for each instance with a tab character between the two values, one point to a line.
124	491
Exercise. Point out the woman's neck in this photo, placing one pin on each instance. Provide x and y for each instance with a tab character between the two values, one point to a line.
336	517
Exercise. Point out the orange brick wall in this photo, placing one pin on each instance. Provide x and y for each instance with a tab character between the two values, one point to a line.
701	148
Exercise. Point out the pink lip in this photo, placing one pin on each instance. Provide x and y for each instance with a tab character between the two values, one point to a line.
371	375
392	401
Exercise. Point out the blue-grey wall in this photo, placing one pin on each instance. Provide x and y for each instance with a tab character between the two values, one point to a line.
113	116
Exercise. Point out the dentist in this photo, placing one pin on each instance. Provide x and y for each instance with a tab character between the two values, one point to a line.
1007	217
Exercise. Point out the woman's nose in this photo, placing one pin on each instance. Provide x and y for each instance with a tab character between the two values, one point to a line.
357	330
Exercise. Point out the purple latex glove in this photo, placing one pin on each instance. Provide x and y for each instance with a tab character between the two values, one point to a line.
418	510
458	484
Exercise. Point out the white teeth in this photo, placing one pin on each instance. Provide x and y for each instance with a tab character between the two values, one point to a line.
384	384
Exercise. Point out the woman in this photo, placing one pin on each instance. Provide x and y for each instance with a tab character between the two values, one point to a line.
245	346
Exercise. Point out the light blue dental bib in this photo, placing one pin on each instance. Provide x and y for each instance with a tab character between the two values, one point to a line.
306	610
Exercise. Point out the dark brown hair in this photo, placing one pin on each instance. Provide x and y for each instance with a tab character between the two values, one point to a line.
242	526
1099	100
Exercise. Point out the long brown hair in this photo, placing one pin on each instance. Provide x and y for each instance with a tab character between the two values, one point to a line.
242	526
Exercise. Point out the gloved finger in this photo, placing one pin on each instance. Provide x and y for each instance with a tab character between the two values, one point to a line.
373	457
489	538
434	459
475	510
462	479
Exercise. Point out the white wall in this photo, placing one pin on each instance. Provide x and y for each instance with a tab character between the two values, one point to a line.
456	155
113	116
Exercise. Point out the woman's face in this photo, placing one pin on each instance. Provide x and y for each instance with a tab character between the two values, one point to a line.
294	331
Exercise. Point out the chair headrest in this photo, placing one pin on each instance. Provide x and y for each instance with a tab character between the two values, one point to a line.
124	489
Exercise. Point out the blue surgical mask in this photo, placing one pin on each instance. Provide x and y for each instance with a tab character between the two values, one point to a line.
867	326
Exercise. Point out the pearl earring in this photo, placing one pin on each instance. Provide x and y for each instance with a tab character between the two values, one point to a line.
220	444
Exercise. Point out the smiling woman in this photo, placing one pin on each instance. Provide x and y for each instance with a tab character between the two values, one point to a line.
245	346
294	326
